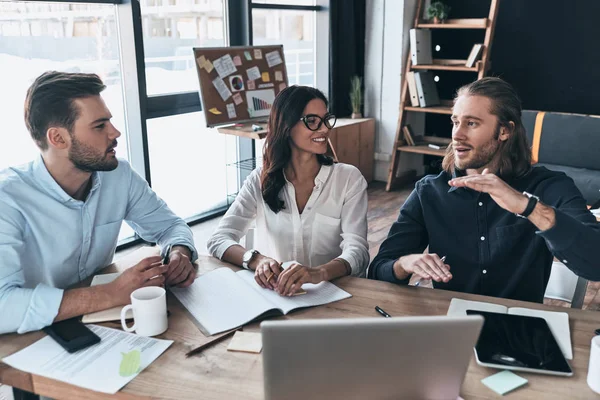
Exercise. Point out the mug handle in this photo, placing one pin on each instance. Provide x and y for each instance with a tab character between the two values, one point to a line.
123	321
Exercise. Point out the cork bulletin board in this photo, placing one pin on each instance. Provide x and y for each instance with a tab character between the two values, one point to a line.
239	84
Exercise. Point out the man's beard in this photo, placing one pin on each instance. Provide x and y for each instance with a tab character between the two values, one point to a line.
87	159
482	156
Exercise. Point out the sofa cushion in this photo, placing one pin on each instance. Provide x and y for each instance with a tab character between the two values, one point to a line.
587	181
570	140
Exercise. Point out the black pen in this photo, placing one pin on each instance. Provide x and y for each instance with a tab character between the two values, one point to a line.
380	311
166	260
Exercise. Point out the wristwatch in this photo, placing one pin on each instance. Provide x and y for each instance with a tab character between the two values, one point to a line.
533	200
247	257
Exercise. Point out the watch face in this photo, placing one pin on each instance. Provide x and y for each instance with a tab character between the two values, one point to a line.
248	255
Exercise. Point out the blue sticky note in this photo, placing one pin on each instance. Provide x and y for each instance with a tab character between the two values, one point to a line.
503	382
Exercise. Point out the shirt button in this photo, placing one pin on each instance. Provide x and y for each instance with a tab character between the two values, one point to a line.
480	204
484	271
482	238
565	261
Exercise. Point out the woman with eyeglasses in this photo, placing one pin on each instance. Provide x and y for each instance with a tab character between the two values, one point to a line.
306	208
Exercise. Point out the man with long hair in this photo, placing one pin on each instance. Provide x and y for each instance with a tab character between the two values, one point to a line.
61	213
493	223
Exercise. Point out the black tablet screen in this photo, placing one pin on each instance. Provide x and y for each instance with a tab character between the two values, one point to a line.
518	341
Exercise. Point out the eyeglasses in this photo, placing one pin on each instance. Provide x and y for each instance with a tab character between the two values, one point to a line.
313	122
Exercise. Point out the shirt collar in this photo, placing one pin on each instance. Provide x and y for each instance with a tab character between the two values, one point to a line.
43	177
456	173
321	177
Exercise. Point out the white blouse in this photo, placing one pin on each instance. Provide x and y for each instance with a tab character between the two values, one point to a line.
333	223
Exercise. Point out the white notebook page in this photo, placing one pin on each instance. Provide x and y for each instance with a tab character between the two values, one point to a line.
316	295
459	307
220	300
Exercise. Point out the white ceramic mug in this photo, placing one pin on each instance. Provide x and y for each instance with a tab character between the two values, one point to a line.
593	378
149	305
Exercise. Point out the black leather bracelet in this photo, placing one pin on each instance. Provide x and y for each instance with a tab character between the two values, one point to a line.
530	206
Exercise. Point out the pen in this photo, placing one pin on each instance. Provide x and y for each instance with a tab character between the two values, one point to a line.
420	280
212	342
167	254
380	311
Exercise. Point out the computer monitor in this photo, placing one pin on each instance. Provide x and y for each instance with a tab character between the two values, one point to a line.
368	358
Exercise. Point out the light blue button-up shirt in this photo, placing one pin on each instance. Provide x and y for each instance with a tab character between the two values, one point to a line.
50	241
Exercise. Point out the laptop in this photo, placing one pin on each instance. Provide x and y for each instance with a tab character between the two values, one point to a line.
368	358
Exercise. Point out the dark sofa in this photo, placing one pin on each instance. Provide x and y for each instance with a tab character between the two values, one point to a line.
569	143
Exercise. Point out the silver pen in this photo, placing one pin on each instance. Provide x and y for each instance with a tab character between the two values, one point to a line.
421	280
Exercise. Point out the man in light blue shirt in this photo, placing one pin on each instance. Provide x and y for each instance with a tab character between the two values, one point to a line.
61	214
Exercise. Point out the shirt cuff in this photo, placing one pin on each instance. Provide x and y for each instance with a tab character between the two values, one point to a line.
192	250
356	268
564	232
385	272
44	304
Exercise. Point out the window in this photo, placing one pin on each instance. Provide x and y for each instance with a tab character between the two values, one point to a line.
190	178
187	160
296	31
37	37
171	29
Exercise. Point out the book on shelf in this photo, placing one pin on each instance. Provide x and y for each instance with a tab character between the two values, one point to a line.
410	138
412	89
474	55
428	94
557	321
420	46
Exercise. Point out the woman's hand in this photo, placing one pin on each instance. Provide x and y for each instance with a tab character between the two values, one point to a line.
266	271
292	278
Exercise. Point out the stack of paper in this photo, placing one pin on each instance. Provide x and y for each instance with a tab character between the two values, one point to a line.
105	367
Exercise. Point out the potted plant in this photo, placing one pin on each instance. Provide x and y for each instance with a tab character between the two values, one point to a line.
438	11
356	96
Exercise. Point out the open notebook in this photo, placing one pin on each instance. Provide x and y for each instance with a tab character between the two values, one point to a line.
112	314
557	321
222	299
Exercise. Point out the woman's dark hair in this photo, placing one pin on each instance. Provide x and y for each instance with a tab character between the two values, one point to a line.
49	101
285	114
515	154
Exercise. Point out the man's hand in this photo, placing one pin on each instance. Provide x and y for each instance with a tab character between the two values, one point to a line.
292	278
425	266
180	272
505	196
266	271
148	272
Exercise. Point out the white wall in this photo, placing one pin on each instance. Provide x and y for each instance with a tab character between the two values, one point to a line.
386	51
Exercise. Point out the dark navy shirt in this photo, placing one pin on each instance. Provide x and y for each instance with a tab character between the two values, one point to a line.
492	251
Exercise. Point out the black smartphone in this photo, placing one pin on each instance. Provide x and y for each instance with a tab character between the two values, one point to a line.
72	334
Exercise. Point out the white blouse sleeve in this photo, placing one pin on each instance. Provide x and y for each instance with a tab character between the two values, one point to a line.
235	223
355	248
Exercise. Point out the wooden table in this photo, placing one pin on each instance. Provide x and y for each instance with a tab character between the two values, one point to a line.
219	374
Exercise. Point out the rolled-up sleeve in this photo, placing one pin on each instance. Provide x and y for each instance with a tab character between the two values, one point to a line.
22	309
354	245
408	235
235	223
153	220
575	235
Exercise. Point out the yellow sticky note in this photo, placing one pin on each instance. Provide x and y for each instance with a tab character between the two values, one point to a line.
214	111
266	77
201	61
248	342
208	66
